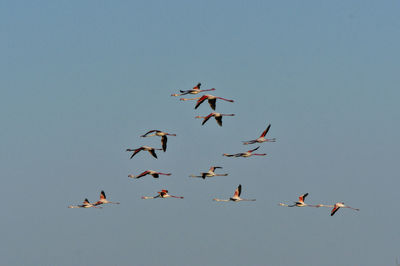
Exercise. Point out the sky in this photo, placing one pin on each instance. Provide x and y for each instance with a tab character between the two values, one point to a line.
82	80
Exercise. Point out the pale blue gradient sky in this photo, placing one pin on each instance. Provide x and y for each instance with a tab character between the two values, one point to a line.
81	80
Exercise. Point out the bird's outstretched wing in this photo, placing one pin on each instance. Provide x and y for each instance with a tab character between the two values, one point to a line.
164	143
207	118
200	101
212	103
265	131
219	120
151	131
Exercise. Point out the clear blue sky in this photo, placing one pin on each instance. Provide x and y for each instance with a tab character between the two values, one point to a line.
82	80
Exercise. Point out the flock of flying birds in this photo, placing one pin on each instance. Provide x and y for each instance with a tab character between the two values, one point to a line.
211	172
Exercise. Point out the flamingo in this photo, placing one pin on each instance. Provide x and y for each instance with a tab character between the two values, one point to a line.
262	138
211	100
163	194
86	204
163	136
144	148
195	90
339	205
103	200
300	203
217	116
245	154
210	173
236	196
148	172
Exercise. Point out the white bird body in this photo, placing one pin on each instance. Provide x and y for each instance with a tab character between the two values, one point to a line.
236	196
210	173
85	204
151	150
103	200
262	138
339	205
217	116
245	154
155	174
299	203
211	100
195	90
163	194
161	134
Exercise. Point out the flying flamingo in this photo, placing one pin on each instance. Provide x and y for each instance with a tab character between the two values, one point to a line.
261	139
144	148
148	172
195	90
103	199
245	154
217	116
163	136
236	196
163	194
339	205
211	100
300	203
210	173
86	204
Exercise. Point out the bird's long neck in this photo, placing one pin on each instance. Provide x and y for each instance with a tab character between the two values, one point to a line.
144	197
188	99
225	99
213	89
176	197
221	200
164	174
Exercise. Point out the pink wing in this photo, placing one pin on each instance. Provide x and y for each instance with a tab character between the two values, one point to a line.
206	118
265	131
335	209
200	101
238	191
302	197
102	195
142	174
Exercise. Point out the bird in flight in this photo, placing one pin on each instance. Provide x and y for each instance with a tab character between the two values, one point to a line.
339	205
85	204
103	200
299	203
161	134
245	154
236	196
144	148
148	172
217	116
163	194
262	138
211	100
210	173
195	90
